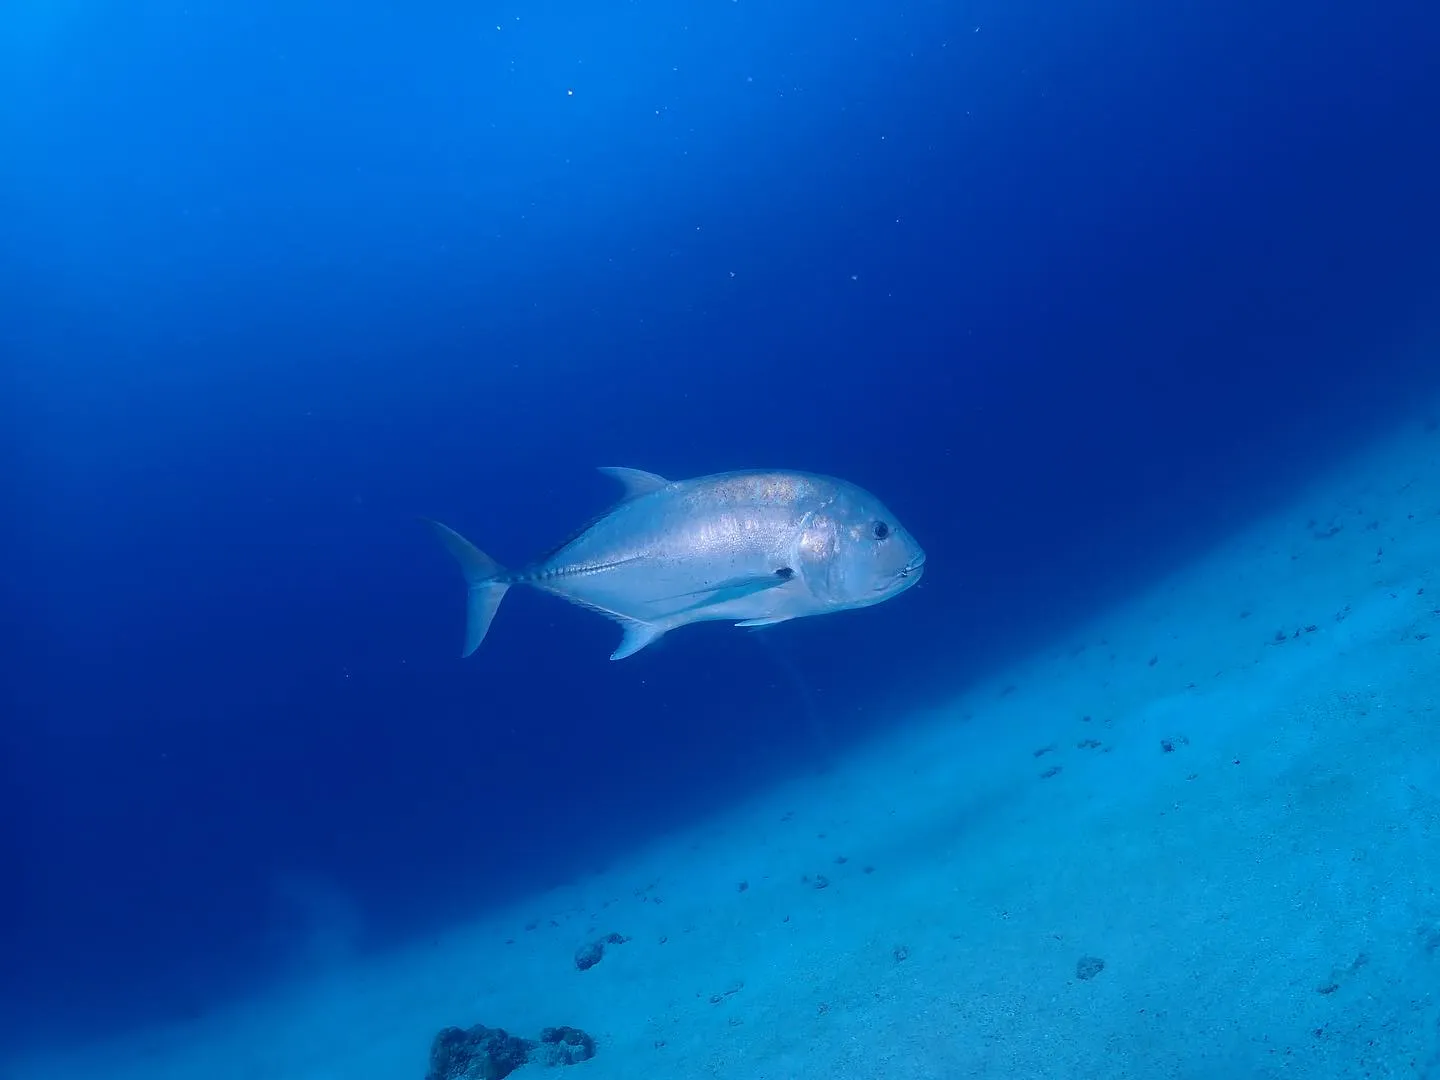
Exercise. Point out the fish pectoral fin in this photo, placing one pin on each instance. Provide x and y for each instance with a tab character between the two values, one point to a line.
636	636
745	586
755	624
636	482
735	588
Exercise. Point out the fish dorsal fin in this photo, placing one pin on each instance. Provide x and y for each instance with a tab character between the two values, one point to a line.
636	482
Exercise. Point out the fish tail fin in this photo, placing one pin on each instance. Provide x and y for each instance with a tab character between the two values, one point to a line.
487	579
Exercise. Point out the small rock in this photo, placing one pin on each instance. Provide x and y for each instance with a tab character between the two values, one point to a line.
563	1046
587	956
1087	967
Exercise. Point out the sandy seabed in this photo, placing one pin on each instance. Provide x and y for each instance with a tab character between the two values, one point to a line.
1197	838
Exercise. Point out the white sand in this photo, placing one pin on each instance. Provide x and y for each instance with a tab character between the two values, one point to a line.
1263	896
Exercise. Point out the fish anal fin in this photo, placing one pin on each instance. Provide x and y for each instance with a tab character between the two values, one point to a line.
756	624
637	635
636	482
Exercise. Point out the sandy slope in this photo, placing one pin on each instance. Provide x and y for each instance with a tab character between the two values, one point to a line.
1262	894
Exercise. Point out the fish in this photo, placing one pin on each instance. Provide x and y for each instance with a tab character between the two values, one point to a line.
756	547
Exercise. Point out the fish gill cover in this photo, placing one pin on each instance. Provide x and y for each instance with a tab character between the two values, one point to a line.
1073	289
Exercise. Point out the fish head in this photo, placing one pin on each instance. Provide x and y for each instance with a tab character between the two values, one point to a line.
855	553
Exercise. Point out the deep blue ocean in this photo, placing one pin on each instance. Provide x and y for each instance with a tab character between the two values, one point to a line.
1076	290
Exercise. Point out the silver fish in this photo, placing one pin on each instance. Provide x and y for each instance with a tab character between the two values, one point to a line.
758	547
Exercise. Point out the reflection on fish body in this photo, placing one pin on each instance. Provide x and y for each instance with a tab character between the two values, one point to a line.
754	547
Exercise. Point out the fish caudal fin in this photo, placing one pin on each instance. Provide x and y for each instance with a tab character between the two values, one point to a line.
487	580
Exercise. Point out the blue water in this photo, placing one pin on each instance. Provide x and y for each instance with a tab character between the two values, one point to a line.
1076	290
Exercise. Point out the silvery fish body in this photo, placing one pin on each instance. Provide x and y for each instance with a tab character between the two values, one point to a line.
752	547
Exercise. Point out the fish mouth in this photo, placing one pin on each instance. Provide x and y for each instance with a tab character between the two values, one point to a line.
908	574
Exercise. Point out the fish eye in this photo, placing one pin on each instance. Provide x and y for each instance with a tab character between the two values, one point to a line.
881	530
